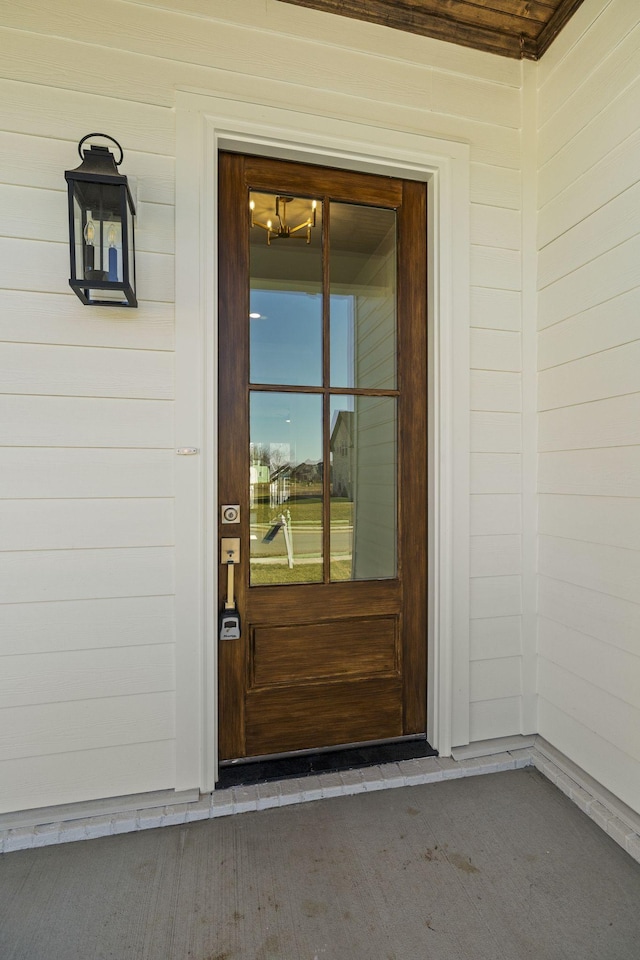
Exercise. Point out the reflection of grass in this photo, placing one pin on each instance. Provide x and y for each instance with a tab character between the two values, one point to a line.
264	574
341	569
306	510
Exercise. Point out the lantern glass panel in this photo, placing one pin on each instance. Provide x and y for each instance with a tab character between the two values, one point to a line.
78	264
103	242
131	242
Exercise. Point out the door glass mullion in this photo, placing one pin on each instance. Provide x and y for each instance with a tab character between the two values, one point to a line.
326	379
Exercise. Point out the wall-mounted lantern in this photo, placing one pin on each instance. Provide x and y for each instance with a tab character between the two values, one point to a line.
101	228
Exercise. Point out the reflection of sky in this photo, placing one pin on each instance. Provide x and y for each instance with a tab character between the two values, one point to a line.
286	348
281	420
286	342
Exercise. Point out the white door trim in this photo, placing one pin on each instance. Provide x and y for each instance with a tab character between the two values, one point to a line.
206	124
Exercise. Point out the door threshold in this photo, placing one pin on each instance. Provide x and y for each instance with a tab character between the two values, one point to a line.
324	761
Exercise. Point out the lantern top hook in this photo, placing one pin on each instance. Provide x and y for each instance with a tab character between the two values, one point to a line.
106	137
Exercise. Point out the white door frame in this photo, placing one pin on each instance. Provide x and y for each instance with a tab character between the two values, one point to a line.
206	124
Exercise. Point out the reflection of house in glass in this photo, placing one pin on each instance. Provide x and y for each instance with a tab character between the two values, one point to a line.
363	474
258	480
307	473
342	454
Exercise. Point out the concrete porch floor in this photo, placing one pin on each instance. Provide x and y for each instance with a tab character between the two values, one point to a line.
480	868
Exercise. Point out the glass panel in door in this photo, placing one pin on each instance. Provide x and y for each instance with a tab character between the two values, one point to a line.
363	296
285	312
285	488
363	502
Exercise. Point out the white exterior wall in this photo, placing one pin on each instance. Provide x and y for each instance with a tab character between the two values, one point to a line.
589	394
88	643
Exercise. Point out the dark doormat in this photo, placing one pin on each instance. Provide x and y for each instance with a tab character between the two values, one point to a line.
328	761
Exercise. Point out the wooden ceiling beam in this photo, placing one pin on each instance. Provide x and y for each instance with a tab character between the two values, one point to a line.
509	28
553	26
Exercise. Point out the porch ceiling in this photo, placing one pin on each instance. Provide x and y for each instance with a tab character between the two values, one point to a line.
521	29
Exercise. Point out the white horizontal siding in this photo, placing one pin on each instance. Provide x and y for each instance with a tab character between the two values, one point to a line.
333	31
495	350
495	226
614	671
165	49
48	728
495	556
471	97
496	473
86	412
589	396
613	521
489	719
613	373
613	422
41	111
566	107
496	597
612	620
494	638
69	473
596	187
603	760
81	524
610	570
33	161
113	771
154	271
51	370
495	514
598	710
496	445
602	327
592	236
27	421
39	678
606	131
495	186
496	309
599	280
495	679
54	626
204	53
496	390
34	214
30	317
614	471
33	576
496	432
493	266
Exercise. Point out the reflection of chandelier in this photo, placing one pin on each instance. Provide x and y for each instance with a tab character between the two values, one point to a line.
282	230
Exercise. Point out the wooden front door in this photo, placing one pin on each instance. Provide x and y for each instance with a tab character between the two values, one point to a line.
322	438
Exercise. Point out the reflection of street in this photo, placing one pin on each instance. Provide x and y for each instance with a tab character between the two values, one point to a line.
307	542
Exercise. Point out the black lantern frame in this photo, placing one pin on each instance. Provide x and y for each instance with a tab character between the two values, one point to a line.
101	228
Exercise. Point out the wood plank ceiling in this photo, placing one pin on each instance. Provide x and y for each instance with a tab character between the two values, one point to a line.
522	29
